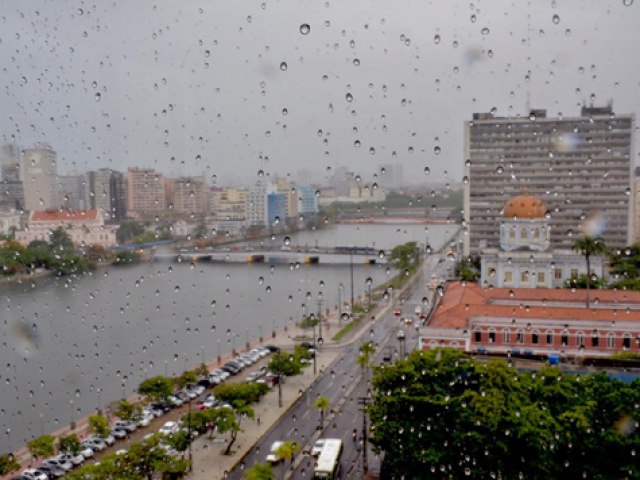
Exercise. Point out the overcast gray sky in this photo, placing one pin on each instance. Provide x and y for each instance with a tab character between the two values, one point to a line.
195	87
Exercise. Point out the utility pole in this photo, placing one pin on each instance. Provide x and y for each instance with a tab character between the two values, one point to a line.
189	439
351	274
319	302
364	402
314	347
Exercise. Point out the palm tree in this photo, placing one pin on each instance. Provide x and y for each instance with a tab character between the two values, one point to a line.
587	246
322	404
259	471
287	451
367	349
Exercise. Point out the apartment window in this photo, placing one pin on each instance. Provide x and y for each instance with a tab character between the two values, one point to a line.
626	341
549	337
535	337
523	234
506	336
508	277
540	277
520	336
595	339
492	335
611	340
557	273
580	339
574	272
524	276
564	339
478	335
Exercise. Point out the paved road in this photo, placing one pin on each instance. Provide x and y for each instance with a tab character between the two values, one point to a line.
342	384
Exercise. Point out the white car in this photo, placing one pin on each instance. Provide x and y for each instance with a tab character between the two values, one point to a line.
95	444
33	474
76	459
58	463
173	400
86	452
169	428
109	440
272	457
223	374
119	433
144	420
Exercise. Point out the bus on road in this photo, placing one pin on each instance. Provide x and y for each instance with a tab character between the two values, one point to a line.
328	465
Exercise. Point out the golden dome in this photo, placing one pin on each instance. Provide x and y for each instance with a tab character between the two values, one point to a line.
524	206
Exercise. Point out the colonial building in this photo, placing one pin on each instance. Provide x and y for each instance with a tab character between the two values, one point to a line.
85	227
533	321
525	258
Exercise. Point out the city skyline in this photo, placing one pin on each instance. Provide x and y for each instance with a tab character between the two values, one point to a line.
363	87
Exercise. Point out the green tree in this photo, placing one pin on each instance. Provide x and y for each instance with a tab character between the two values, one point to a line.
69	444
588	246
127	410
186	377
200	232
41	253
156	388
468	269
322	404
99	425
259	471
283	364
8	464
238	394
128	230
125	257
43	446
60	241
288	450
404	257
227	422
366	356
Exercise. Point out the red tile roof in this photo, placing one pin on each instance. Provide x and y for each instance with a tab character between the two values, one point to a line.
53	215
461	302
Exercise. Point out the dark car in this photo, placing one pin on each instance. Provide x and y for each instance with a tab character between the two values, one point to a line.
272	348
232	367
51	471
165	407
306	345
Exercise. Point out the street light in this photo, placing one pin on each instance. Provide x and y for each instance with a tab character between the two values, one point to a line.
369	281
260	330
273	328
340	287
219	355
247	339
351	273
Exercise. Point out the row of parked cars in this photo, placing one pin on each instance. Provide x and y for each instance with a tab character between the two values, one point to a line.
59	465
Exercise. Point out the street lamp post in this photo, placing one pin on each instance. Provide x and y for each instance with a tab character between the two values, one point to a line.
72	423
273	328
233	344
369	281
246	338
314	346
319	320
219	355
340	303
351	274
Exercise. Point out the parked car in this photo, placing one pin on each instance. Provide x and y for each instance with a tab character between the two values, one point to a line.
94	443
109	440
125	425
59	463
400	334
306	344
272	348
176	400
119	433
223	374
34	474
51	471
162	406
254	376
199	389
262	352
232	367
144	420
169	428
74	459
86	452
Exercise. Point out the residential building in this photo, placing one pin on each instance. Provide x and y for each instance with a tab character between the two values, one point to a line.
9	162
118	190
85	227
191	196
580	167
530	321
40	178
11	195
290	197
9	221
230	203
525	258
276	208
256	207
72	192
391	175
145	192
99	190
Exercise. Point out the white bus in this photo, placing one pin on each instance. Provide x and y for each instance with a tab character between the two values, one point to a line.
328	465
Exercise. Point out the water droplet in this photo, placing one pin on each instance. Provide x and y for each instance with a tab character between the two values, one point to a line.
98	96
484	31
356	62
556	19
437	150
436	39
283	66
427	171
305	28
349	97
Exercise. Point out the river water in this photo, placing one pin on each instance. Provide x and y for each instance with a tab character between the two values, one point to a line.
70	346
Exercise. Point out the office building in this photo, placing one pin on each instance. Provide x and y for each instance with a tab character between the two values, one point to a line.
99	190
276	208
72	192
580	167
190	196
9	162
118	190
40	178
308	201
145	192
256	208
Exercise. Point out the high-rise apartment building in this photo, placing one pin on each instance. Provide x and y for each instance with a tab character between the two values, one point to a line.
580	167
9	162
118	189
257	206
145	192
191	196
230	203
72	192
99	190
40	178
308	201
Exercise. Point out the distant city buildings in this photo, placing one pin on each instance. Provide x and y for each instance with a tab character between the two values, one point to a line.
580	167
191	196
72	192
85	227
146	192
40	178
391	175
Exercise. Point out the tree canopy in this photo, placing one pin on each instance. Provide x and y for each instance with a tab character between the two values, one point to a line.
43	446
404	257
441	414
156	388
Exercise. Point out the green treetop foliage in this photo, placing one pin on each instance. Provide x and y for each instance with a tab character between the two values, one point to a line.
69	444
322	403
259	471
43	446
188	376
127	410
60	242
128	230
99	425
240	393
8	464
441	414
404	257
288	449
156	388
589	246
283	363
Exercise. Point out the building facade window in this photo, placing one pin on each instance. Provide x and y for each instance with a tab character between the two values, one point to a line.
506	336
574	272
478	335
508	277
611	340
492	335
626	341
595	339
520	336
557	273
535	337
536	234
523	234
524	276
564	339
549	337
580	339
540	277
512	234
